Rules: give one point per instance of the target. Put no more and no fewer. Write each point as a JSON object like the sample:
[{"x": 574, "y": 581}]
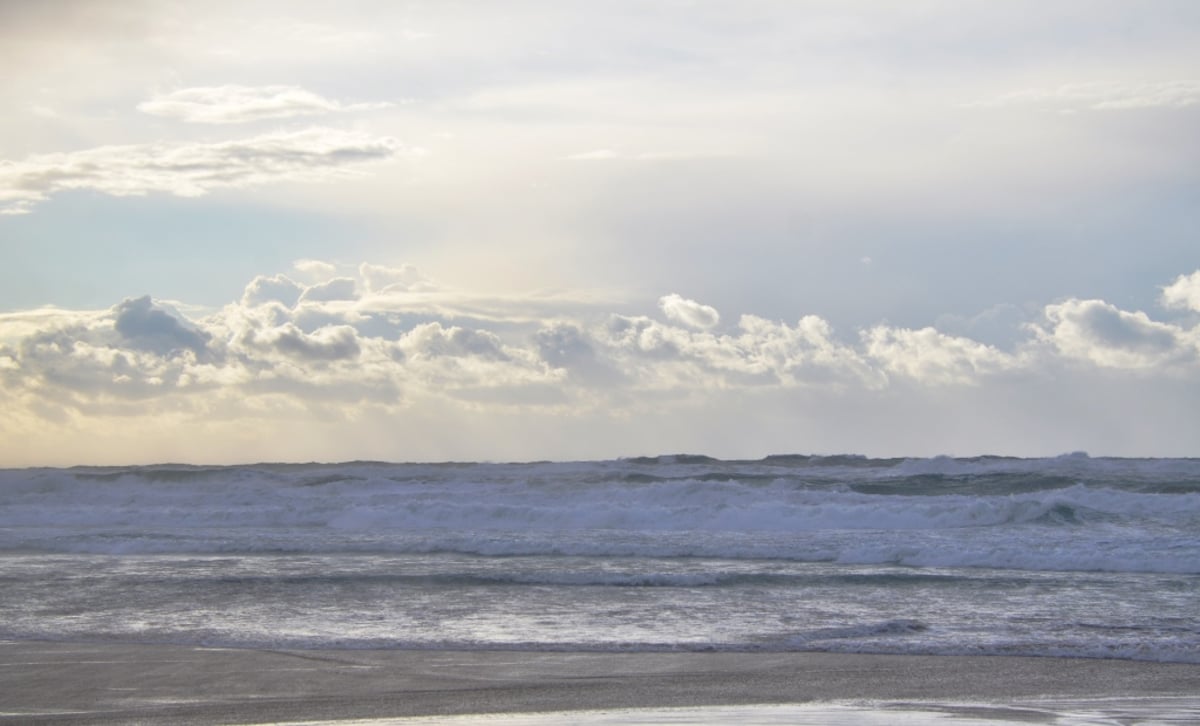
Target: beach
[{"x": 77, "y": 683}]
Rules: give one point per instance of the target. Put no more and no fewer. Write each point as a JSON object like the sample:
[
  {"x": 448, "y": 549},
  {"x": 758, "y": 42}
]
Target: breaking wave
[{"x": 1072, "y": 512}]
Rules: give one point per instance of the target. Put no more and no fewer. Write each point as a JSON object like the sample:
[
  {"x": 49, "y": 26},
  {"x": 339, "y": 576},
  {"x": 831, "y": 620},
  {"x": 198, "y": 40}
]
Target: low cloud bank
[{"x": 382, "y": 342}]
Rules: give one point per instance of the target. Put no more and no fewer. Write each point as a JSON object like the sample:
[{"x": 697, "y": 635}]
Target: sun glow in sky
[{"x": 510, "y": 230}]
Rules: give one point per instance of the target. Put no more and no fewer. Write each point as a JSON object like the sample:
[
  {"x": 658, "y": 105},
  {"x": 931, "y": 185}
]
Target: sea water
[
  {"x": 1093, "y": 712},
  {"x": 1071, "y": 556}
]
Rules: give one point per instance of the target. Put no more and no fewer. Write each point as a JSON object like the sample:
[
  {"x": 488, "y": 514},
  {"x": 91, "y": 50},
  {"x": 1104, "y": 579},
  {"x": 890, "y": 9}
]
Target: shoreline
[{"x": 62, "y": 682}]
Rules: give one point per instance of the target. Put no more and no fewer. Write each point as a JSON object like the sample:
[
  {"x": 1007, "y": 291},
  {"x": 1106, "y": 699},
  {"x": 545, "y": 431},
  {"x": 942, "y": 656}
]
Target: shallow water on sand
[{"x": 1090, "y": 712}]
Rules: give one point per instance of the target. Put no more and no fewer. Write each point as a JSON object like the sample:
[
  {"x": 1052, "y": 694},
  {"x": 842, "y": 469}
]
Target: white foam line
[{"x": 1067, "y": 712}]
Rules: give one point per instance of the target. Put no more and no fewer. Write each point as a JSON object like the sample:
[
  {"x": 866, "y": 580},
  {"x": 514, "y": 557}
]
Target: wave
[
  {"x": 1069, "y": 551},
  {"x": 1072, "y": 512},
  {"x": 358, "y": 500}
]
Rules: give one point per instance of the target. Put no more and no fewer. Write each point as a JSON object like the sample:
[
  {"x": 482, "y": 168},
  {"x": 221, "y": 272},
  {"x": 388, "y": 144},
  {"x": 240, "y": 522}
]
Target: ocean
[{"x": 1065, "y": 556}]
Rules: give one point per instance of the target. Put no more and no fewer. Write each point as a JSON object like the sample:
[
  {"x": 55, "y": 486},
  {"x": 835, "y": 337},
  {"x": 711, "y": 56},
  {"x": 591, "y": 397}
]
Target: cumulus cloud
[
  {"x": 232, "y": 104},
  {"x": 334, "y": 342},
  {"x": 136, "y": 350},
  {"x": 568, "y": 346},
  {"x": 929, "y": 356},
  {"x": 380, "y": 278},
  {"x": 806, "y": 353},
  {"x": 1107, "y": 336},
  {"x": 276, "y": 288},
  {"x": 339, "y": 351},
  {"x": 318, "y": 269},
  {"x": 762, "y": 352},
  {"x": 192, "y": 169},
  {"x": 688, "y": 312},
  {"x": 1184, "y": 293},
  {"x": 339, "y": 288},
  {"x": 147, "y": 326},
  {"x": 432, "y": 340}
]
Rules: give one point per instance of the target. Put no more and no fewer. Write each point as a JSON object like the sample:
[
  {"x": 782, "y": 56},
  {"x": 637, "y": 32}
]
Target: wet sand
[{"x": 73, "y": 683}]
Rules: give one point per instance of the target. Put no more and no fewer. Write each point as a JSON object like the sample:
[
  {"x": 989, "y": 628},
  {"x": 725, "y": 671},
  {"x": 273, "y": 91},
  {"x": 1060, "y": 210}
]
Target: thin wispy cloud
[
  {"x": 192, "y": 169},
  {"x": 1102, "y": 96},
  {"x": 233, "y": 104},
  {"x": 613, "y": 155}
]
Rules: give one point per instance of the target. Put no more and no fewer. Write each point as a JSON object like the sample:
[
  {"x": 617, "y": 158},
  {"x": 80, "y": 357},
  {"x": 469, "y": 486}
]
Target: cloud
[
  {"x": 1184, "y": 293},
  {"x": 276, "y": 288},
  {"x": 803, "y": 354},
  {"x": 137, "y": 350},
  {"x": 595, "y": 155},
  {"x": 19, "y": 326},
  {"x": 381, "y": 279},
  {"x": 335, "y": 342},
  {"x": 1103, "y": 96},
  {"x": 688, "y": 312},
  {"x": 931, "y": 357},
  {"x": 339, "y": 288},
  {"x": 341, "y": 354},
  {"x": 612, "y": 155},
  {"x": 1001, "y": 325},
  {"x": 432, "y": 340},
  {"x": 318, "y": 269},
  {"x": 231, "y": 104},
  {"x": 189, "y": 170},
  {"x": 567, "y": 346},
  {"x": 761, "y": 353},
  {"x": 1107, "y": 336},
  {"x": 145, "y": 325}
]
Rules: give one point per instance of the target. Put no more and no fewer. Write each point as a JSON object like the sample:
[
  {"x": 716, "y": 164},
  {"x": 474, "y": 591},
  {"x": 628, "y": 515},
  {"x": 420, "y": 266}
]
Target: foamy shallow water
[{"x": 1088, "y": 712}]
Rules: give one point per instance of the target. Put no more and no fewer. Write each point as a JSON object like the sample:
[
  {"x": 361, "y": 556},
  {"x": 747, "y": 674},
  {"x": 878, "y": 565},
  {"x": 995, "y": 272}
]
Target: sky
[{"x": 412, "y": 231}]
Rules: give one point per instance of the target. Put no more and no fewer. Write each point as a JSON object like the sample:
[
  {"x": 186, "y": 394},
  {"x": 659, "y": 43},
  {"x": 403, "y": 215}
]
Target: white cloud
[
  {"x": 146, "y": 326},
  {"x": 315, "y": 269},
  {"x": 188, "y": 170},
  {"x": 1103, "y": 96},
  {"x": 1107, "y": 336},
  {"x": 432, "y": 340},
  {"x": 804, "y": 354},
  {"x": 338, "y": 355},
  {"x": 762, "y": 353},
  {"x": 19, "y": 326},
  {"x": 1184, "y": 293},
  {"x": 333, "y": 342},
  {"x": 612, "y": 155},
  {"x": 932, "y": 357},
  {"x": 239, "y": 104},
  {"x": 276, "y": 288},
  {"x": 382, "y": 279},
  {"x": 595, "y": 155},
  {"x": 339, "y": 288},
  {"x": 688, "y": 312}
]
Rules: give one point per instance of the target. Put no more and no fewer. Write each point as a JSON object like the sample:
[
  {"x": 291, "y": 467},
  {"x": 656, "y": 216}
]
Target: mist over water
[{"x": 1063, "y": 556}]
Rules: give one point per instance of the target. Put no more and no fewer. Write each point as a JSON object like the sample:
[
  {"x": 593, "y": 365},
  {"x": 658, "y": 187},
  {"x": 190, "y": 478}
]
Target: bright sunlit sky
[{"x": 246, "y": 231}]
